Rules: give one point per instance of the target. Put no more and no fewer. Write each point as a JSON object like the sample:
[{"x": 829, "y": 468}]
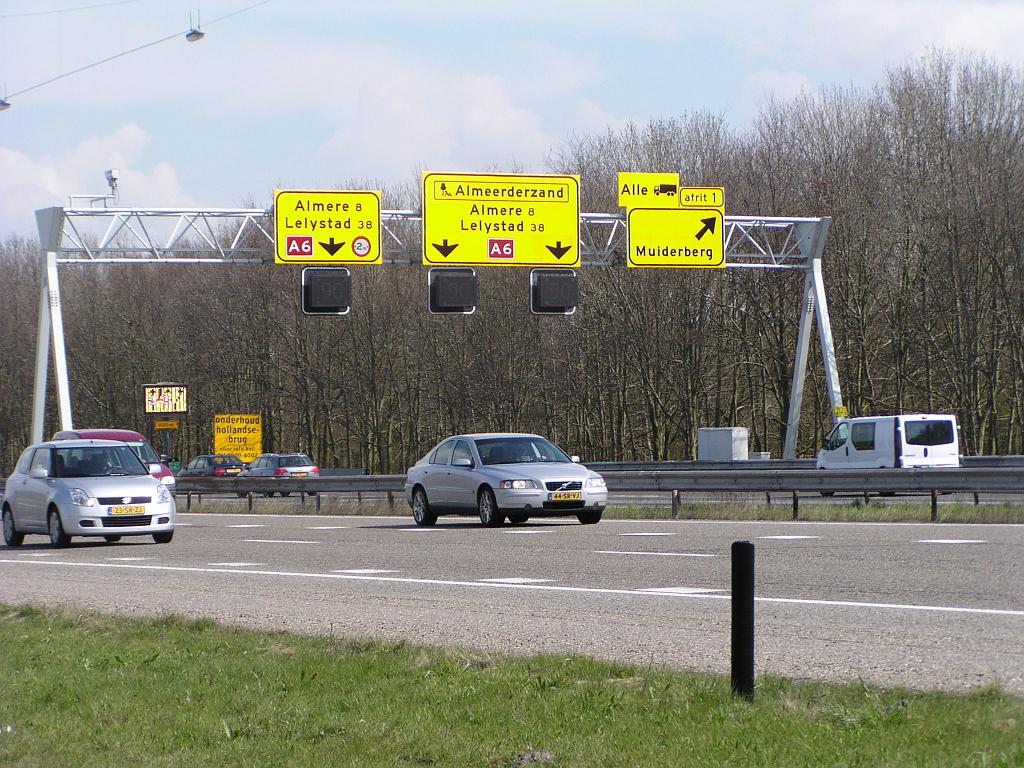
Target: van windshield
[{"x": 937, "y": 432}]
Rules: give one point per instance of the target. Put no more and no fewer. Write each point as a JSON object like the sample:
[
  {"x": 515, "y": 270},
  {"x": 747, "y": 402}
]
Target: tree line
[{"x": 922, "y": 174}]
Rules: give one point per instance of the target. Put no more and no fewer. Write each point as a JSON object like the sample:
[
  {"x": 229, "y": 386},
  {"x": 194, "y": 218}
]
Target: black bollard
[{"x": 743, "y": 619}]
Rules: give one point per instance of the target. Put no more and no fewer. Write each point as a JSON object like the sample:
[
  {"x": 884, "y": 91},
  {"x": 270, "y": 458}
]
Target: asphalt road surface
[{"x": 923, "y": 606}]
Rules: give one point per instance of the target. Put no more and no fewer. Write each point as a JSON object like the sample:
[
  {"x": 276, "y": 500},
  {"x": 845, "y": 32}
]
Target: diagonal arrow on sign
[
  {"x": 709, "y": 226},
  {"x": 558, "y": 250},
  {"x": 332, "y": 247},
  {"x": 444, "y": 249}
]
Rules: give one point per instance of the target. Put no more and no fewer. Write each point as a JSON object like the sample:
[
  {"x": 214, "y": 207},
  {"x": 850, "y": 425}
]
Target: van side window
[
  {"x": 443, "y": 454},
  {"x": 937, "y": 432},
  {"x": 863, "y": 436}
]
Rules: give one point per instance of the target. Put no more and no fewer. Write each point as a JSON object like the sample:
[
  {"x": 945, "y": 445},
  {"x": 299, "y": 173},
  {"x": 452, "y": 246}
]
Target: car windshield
[
  {"x": 144, "y": 452},
  {"x": 98, "y": 461},
  {"x": 296, "y": 461},
  {"x": 518, "y": 450}
]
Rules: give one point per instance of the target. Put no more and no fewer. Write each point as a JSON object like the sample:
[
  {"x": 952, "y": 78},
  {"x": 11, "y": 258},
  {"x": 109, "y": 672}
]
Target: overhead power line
[
  {"x": 64, "y": 10},
  {"x": 5, "y": 102}
]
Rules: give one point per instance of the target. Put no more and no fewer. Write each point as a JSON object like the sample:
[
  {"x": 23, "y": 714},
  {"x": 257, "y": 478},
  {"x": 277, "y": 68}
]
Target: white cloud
[{"x": 29, "y": 183}]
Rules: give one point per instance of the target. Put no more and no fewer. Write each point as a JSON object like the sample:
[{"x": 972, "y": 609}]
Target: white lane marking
[
  {"x": 246, "y": 525},
  {"x": 183, "y": 525},
  {"x": 681, "y": 590},
  {"x": 129, "y": 559},
  {"x": 37, "y": 554},
  {"x": 653, "y": 554},
  {"x": 646, "y": 534},
  {"x": 538, "y": 587},
  {"x": 522, "y": 533},
  {"x": 234, "y": 565},
  {"x": 788, "y": 538},
  {"x": 952, "y": 541},
  {"x": 515, "y": 581},
  {"x": 280, "y": 541},
  {"x": 421, "y": 530},
  {"x": 365, "y": 571},
  {"x": 325, "y": 527}
]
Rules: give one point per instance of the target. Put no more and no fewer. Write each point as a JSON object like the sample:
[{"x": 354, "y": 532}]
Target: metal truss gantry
[{"x": 245, "y": 236}]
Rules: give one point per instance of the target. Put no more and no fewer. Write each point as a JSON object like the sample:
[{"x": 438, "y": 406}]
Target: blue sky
[{"x": 319, "y": 94}]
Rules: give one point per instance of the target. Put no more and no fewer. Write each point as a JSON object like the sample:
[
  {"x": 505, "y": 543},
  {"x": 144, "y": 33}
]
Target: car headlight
[
  {"x": 517, "y": 485},
  {"x": 162, "y": 494},
  {"x": 596, "y": 482},
  {"x": 80, "y": 498}
]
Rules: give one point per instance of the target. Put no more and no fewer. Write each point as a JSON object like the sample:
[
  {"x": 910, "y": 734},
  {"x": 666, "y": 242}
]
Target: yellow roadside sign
[
  {"x": 500, "y": 219},
  {"x": 169, "y": 424},
  {"x": 327, "y": 227},
  {"x": 676, "y": 237},
  {"x": 238, "y": 433},
  {"x": 648, "y": 190}
]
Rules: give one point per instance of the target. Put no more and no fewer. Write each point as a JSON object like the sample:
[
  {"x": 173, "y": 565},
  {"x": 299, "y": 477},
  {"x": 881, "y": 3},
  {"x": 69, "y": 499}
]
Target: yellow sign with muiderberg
[
  {"x": 648, "y": 190},
  {"x": 327, "y": 227},
  {"x": 676, "y": 237},
  {"x": 501, "y": 219},
  {"x": 240, "y": 434}
]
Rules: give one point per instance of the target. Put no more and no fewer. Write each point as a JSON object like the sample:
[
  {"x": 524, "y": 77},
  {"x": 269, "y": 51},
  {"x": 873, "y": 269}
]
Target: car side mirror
[
  {"x": 462, "y": 463},
  {"x": 574, "y": 459},
  {"x": 154, "y": 468},
  {"x": 39, "y": 473}
]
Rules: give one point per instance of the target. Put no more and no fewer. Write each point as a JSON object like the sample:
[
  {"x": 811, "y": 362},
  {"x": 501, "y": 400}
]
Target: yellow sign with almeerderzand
[{"x": 501, "y": 220}]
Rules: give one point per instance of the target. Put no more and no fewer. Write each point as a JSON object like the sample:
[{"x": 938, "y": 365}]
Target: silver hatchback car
[
  {"x": 67, "y": 488},
  {"x": 499, "y": 475}
]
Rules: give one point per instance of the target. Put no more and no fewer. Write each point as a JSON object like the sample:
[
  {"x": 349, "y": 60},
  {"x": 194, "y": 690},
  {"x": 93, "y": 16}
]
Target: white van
[{"x": 873, "y": 442}]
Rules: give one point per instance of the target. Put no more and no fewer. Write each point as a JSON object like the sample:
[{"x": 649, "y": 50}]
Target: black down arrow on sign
[{"x": 332, "y": 247}]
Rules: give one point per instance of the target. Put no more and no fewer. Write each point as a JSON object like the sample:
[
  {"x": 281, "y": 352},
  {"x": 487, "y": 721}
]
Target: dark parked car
[
  {"x": 282, "y": 465},
  {"x": 213, "y": 465}
]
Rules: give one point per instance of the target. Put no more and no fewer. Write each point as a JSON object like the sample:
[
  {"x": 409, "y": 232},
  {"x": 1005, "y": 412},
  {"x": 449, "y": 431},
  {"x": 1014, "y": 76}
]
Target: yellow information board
[
  {"x": 327, "y": 227},
  {"x": 165, "y": 398},
  {"x": 168, "y": 424},
  {"x": 501, "y": 219},
  {"x": 648, "y": 190},
  {"x": 240, "y": 434},
  {"x": 676, "y": 237}
]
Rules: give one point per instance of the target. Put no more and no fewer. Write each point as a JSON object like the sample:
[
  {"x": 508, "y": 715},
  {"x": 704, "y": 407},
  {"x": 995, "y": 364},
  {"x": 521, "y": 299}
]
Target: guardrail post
[
  {"x": 796, "y": 505},
  {"x": 302, "y": 498},
  {"x": 188, "y": 502},
  {"x": 318, "y": 503},
  {"x": 675, "y": 505},
  {"x": 391, "y": 499},
  {"x": 977, "y": 500},
  {"x": 248, "y": 497},
  {"x": 768, "y": 497},
  {"x": 743, "y": 619},
  {"x": 935, "y": 506}
]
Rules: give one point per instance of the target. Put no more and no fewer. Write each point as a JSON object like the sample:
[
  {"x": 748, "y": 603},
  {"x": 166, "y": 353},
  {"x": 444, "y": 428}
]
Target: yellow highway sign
[
  {"x": 676, "y": 237},
  {"x": 327, "y": 227},
  {"x": 648, "y": 190},
  {"x": 240, "y": 434},
  {"x": 702, "y": 197},
  {"x": 501, "y": 219}
]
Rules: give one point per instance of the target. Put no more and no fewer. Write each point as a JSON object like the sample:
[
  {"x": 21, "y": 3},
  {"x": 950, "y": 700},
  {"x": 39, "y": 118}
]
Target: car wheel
[
  {"x": 827, "y": 494},
  {"x": 518, "y": 519},
  {"x": 589, "y": 518},
  {"x": 490, "y": 515},
  {"x": 286, "y": 493},
  {"x": 56, "y": 530},
  {"x": 11, "y": 536},
  {"x": 242, "y": 495},
  {"x": 112, "y": 539},
  {"x": 163, "y": 538},
  {"x": 421, "y": 509},
  {"x": 268, "y": 494}
]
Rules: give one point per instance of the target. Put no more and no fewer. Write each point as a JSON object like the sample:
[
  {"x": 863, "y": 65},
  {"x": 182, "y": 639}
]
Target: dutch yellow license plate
[
  {"x": 127, "y": 510},
  {"x": 299, "y": 474},
  {"x": 567, "y": 496}
]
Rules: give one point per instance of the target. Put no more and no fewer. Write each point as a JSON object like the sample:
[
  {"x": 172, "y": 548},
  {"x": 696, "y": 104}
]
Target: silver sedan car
[
  {"x": 67, "y": 488},
  {"x": 500, "y": 475}
]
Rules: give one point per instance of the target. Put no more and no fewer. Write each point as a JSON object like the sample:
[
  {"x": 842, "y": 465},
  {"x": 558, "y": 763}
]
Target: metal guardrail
[
  {"x": 971, "y": 462},
  {"x": 790, "y": 481}
]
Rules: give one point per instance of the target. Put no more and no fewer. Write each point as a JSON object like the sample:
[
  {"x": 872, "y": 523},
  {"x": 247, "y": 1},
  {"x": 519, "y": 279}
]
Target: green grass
[{"x": 80, "y": 689}]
